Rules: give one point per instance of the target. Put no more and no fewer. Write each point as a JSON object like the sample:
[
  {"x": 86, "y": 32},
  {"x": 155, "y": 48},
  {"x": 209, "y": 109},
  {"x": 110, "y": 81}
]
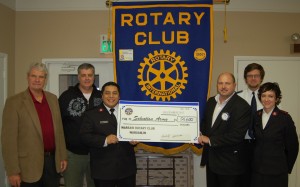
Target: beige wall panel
[
  {"x": 7, "y": 43},
  {"x": 56, "y": 34},
  {"x": 75, "y": 34},
  {"x": 251, "y": 34}
]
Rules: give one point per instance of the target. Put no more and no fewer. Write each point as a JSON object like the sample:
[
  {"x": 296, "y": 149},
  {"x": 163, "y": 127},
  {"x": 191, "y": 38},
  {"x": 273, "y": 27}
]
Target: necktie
[
  {"x": 113, "y": 115},
  {"x": 253, "y": 103},
  {"x": 253, "y": 111}
]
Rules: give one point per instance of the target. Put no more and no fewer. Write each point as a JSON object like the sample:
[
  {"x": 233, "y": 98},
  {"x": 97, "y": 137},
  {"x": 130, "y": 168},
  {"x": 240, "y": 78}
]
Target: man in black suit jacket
[
  {"x": 223, "y": 128},
  {"x": 113, "y": 163}
]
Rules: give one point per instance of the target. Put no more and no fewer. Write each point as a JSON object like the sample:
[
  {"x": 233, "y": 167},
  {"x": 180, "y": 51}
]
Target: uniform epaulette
[{"x": 284, "y": 112}]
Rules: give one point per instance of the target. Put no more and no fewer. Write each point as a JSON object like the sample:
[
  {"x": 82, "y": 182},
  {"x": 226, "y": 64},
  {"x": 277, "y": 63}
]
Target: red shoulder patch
[{"x": 284, "y": 112}]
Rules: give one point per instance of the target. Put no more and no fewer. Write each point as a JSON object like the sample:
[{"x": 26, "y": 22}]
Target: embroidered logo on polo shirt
[
  {"x": 76, "y": 107},
  {"x": 97, "y": 101}
]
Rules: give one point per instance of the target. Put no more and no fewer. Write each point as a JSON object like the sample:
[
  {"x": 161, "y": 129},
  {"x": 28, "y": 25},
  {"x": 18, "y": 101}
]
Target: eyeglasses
[{"x": 253, "y": 76}]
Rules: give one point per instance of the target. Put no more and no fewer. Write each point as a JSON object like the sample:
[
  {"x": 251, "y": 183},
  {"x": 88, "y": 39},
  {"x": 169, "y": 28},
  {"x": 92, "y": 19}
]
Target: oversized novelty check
[{"x": 158, "y": 121}]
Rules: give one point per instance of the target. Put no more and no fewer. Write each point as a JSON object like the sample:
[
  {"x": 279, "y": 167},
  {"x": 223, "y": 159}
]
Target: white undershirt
[
  {"x": 219, "y": 107},
  {"x": 87, "y": 96},
  {"x": 266, "y": 117}
]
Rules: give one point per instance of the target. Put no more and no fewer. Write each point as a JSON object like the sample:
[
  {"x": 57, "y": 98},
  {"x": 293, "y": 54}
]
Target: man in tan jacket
[{"x": 32, "y": 137}]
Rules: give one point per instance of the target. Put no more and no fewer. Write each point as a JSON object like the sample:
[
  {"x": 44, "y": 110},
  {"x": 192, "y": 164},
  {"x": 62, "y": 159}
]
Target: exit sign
[{"x": 106, "y": 45}]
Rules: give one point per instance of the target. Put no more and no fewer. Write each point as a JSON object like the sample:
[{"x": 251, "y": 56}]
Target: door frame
[{"x": 3, "y": 58}]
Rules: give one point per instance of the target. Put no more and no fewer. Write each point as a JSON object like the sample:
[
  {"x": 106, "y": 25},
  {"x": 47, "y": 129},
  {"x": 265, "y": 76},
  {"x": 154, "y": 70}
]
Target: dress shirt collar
[
  {"x": 217, "y": 98},
  {"x": 116, "y": 109},
  {"x": 249, "y": 92},
  {"x": 268, "y": 113}
]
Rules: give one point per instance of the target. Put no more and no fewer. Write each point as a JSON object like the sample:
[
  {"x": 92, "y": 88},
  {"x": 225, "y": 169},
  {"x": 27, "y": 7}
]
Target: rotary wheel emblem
[{"x": 162, "y": 75}]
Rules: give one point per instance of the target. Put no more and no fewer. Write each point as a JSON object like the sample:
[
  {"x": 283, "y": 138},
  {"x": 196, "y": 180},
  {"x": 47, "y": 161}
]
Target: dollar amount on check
[{"x": 158, "y": 121}]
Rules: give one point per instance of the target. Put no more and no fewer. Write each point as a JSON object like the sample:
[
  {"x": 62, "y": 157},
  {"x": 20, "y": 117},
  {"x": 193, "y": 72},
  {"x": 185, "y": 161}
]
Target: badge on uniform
[{"x": 103, "y": 122}]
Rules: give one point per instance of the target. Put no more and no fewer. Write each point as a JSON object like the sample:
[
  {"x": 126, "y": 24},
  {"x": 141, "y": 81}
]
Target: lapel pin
[{"x": 225, "y": 116}]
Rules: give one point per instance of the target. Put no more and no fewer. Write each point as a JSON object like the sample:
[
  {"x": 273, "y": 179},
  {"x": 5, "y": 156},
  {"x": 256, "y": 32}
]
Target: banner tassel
[
  {"x": 109, "y": 4},
  {"x": 225, "y": 25}
]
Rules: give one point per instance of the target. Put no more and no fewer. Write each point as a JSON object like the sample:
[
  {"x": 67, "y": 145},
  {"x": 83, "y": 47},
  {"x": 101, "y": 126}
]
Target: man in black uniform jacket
[{"x": 113, "y": 163}]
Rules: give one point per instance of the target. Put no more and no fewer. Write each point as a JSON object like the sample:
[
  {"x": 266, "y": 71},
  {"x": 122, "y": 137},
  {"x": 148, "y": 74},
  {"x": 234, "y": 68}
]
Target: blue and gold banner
[{"x": 163, "y": 52}]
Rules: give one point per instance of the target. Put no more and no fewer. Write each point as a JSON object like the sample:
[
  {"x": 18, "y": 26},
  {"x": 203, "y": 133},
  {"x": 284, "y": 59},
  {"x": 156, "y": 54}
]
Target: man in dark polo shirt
[
  {"x": 33, "y": 144},
  {"x": 73, "y": 104}
]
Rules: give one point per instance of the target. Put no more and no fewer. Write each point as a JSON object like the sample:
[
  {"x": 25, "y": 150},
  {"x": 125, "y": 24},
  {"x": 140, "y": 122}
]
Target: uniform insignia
[{"x": 285, "y": 112}]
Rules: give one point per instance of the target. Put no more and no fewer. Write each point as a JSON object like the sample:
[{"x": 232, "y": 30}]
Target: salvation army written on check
[{"x": 150, "y": 121}]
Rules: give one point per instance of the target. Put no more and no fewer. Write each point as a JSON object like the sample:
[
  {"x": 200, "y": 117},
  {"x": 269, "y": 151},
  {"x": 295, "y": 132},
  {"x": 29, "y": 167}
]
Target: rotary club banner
[{"x": 163, "y": 52}]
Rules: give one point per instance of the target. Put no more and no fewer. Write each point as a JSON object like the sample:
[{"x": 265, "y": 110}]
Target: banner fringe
[{"x": 171, "y": 151}]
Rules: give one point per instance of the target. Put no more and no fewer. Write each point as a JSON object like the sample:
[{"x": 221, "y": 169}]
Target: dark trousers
[
  {"x": 125, "y": 182},
  {"x": 248, "y": 151},
  {"x": 261, "y": 180},
  {"x": 50, "y": 178},
  {"x": 217, "y": 180}
]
